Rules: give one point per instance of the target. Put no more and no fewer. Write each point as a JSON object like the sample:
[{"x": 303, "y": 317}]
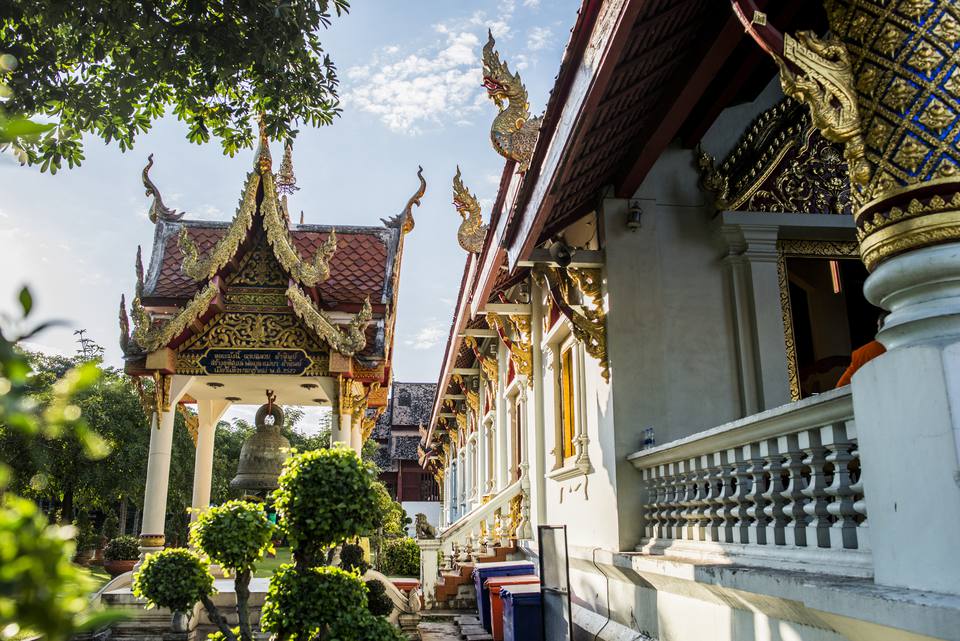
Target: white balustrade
[{"x": 779, "y": 482}]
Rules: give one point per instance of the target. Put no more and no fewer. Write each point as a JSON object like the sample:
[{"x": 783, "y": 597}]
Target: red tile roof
[{"x": 359, "y": 267}]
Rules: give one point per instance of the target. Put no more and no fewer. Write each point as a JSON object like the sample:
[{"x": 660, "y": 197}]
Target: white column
[
  {"x": 537, "y": 445},
  {"x": 356, "y": 435},
  {"x": 158, "y": 470},
  {"x": 341, "y": 432},
  {"x": 208, "y": 415},
  {"x": 461, "y": 482},
  {"x": 907, "y": 408},
  {"x": 503, "y": 424},
  {"x": 429, "y": 570}
]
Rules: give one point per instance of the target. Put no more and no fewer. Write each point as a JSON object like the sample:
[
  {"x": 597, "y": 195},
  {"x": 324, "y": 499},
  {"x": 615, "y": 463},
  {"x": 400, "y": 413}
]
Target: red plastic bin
[{"x": 494, "y": 584}]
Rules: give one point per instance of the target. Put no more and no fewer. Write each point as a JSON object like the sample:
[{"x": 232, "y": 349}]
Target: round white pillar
[{"x": 158, "y": 477}]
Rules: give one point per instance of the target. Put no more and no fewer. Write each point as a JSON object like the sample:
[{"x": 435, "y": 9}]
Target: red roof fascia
[
  {"x": 528, "y": 220},
  {"x": 452, "y": 349}
]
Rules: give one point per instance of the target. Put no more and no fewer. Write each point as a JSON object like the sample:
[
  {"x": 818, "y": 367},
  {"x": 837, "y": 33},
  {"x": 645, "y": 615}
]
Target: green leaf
[{"x": 26, "y": 301}]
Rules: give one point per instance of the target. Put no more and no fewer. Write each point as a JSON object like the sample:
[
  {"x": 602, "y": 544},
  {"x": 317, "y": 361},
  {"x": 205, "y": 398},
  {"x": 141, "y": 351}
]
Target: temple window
[
  {"x": 825, "y": 314},
  {"x": 567, "y": 429}
]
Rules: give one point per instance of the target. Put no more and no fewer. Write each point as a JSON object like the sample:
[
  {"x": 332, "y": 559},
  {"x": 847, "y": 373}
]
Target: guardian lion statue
[{"x": 423, "y": 528}]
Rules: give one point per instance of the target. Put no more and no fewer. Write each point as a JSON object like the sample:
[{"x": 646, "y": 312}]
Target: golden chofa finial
[
  {"x": 404, "y": 220},
  {"x": 264, "y": 163},
  {"x": 513, "y": 133},
  {"x": 472, "y": 231},
  {"x": 158, "y": 211},
  {"x": 285, "y": 179}
]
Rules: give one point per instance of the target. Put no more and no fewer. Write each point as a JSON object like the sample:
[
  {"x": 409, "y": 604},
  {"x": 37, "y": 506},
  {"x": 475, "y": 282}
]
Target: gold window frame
[{"x": 829, "y": 249}]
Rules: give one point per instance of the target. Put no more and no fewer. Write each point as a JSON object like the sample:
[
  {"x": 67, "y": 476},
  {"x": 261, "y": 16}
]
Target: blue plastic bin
[
  {"x": 483, "y": 571},
  {"x": 522, "y": 613}
]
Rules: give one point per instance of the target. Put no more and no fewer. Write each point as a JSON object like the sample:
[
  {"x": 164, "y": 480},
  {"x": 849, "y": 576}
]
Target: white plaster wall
[{"x": 430, "y": 509}]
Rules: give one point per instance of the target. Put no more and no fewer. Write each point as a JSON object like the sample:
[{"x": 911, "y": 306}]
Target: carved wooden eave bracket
[
  {"x": 151, "y": 336},
  {"x": 348, "y": 341},
  {"x": 521, "y": 353},
  {"x": 472, "y": 397},
  {"x": 472, "y": 232},
  {"x": 487, "y": 363},
  {"x": 588, "y": 322},
  {"x": 513, "y": 133}
]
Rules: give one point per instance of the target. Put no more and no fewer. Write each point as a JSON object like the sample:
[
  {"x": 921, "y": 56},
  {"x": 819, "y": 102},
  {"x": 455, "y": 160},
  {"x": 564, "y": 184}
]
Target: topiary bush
[
  {"x": 373, "y": 628},
  {"x": 351, "y": 559},
  {"x": 400, "y": 557},
  {"x": 324, "y": 497},
  {"x": 234, "y": 535},
  {"x": 378, "y": 602},
  {"x": 306, "y": 603},
  {"x": 122, "y": 548},
  {"x": 174, "y": 578}
]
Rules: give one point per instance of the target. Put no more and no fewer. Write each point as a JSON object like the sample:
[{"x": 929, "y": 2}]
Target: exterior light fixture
[
  {"x": 561, "y": 253},
  {"x": 214, "y": 385},
  {"x": 232, "y": 399},
  {"x": 308, "y": 385},
  {"x": 634, "y": 216}
]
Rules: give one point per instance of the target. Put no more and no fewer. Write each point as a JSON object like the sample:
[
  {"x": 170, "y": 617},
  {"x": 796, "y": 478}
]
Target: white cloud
[
  {"x": 428, "y": 336},
  {"x": 410, "y": 92},
  {"x": 532, "y": 4},
  {"x": 539, "y": 38}
]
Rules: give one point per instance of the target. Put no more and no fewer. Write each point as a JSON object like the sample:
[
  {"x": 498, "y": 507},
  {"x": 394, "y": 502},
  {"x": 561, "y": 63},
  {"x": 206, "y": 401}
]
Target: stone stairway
[
  {"x": 455, "y": 589},
  {"x": 452, "y": 625}
]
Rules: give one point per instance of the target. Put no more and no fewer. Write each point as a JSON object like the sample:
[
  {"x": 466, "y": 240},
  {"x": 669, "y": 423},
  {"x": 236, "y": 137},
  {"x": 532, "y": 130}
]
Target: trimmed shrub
[
  {"x": 378, "y": 602},
  {"x": 122, "y": 548},
  {"x": 174, "y": 578},
  {"x": 371, "y": 629},
  {"x": 401, "y": 557},
  {"x": 313, "y": 602},
  {"x": 351, "y": 559},
  {"x": 234, "y": 535},
  {"x": 325, "y": 497}
]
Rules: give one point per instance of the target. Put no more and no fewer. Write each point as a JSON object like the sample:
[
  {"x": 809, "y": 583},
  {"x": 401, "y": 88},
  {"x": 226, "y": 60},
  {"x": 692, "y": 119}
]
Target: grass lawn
[
  {"x": 268, "y": 566},
  {"x": 100, "y": 576}
]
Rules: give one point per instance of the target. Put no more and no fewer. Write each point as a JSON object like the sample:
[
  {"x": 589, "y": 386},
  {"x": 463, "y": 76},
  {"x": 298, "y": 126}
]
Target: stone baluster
[
  {"x": 773, "y": 496},
  {"x": 525, "y": 529},
  {"x": 843, "y": 532},
  {"x": 728, "y": 496},
  {"x": 499, "y": 532},
  {"x": 741, "y": 494},
  {"x": 796, "y": 528},
  {"x": 757, "y": 472},
  {"x": 859, "y": 500},
  {"x": 688, "y": 500},
  {"x": 663, "y": 504},
  {"x": 672, "y": 501},
  {"x": 698, "y": 515},
  {"x": 818, "y": 528},
  {"x": 649, "y": 514},
  {"x": 713, "y": 510},
  {"x": 483, "y": 540},
  {"x": 466, "y": 550}
]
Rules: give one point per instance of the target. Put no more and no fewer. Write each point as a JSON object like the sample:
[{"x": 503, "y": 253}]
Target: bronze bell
[{"x": 263, "y": 453}]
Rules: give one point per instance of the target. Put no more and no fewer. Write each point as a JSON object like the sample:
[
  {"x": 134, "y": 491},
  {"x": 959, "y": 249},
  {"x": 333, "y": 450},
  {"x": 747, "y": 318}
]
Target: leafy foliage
[
  {"x": 304, "y": 602},
  {"x": 174, "y": 578},
  {"x": 351, "y": 559},
  {"x": 375, "y": 629},
  {"x": 378, "y": 602},
  {"x": 401, "y": 557},
  {"x": 112, "y": 67},
  {"x": 40, "y": 589},
  {"x": 324, "y": 497},
  {"x": 235, "y": 535},
  {"x": 122, "y": 548},
  {"x": 41, "y": 592}
]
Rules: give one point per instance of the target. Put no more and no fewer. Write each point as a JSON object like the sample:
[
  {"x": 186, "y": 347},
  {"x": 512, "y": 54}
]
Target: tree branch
[{"x": 217, "y": 618}]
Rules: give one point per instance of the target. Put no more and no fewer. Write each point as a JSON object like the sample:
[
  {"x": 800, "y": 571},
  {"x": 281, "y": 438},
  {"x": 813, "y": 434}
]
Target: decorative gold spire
[
  {"x": 472, "y": 231},
  {"x": 285, "y": 178},
  {"x": 139, "y": 269},
  {"x": 158, "y": 211},
  {"x": 264, "y": 163},
  {"x": 404, "y": 220},
  {"x": 513, "y": 133},
  {"x": 125, "y": 342}
]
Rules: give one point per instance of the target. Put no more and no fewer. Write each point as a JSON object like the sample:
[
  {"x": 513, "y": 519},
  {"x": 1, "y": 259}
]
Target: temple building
[
  {"x": 260, "y": 311},
  {"x": 397, "y": 434},
  {"x": 718, "y": 205}
]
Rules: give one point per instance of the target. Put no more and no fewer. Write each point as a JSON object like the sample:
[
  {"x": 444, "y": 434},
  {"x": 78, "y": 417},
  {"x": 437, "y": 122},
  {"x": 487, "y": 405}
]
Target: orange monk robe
[{"x": 860, "y": 357}]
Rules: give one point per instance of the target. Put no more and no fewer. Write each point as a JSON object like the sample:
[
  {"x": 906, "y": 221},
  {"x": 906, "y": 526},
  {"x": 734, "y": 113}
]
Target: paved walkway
[{"x": 439, "y": 631}]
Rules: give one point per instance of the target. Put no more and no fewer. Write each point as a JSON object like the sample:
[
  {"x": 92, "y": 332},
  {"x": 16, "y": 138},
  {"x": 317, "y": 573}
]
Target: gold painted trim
[
  {"x": 153, "y": 337},
  {"x": 802, "y": 249},
  {"x": 912, "y": 233},
  {"x": 347, "y": 343},
  {"x": 152, "y": 540}
]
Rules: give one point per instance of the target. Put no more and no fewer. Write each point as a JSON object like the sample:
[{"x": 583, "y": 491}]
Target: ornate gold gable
[{"x": 781, "y": 164}]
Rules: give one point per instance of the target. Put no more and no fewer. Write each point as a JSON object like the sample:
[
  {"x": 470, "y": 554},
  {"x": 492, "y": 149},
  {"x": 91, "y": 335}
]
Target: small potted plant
[{"x": 121, "y": 555}]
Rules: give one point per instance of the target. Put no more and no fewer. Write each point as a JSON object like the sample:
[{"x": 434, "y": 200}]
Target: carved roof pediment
[{"x": 780, "y": 164}]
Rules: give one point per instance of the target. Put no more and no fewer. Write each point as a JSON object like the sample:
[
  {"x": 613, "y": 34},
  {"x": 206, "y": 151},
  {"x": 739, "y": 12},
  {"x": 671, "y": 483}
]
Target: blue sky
[{"x": 410, "y": 84}]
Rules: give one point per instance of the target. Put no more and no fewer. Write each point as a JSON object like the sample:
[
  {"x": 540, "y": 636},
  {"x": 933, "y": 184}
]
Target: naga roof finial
[
  {"x": 513, "y": 133},
  {"x": 158, "y": 211},
  {"x": 125, "y": 340},
  {"x": 404, "y": 220},
  {"x": 285, "y": 179},
  {"x": 472, "y": 231},
  {"x": 139, "y": 268}
]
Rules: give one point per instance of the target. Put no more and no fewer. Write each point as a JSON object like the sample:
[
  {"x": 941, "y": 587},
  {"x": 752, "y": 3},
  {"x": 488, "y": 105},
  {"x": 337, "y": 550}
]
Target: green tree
[{"x": 111, "y": 67}]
